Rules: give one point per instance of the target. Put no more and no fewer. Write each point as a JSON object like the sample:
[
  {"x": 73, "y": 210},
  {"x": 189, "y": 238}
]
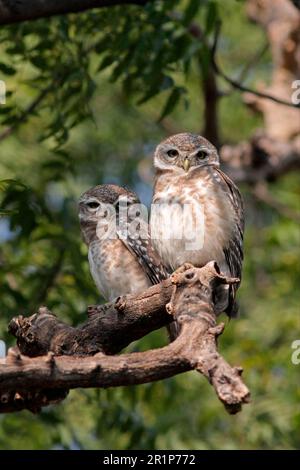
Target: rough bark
[
  {"x": 26, "y": 382},
  {"x": 14, "y": 11},
  {"x": 109, "y": 328}
]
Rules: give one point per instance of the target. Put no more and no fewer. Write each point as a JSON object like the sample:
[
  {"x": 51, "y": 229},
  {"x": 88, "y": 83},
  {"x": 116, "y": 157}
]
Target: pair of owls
[{"x": 196, "y": 216}]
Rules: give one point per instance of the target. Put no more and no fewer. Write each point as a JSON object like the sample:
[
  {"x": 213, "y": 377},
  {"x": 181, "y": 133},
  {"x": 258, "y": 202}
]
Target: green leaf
[
  {"x": 106, "y": 62},
  {"x": 10, "y": 182},
  {"x": 164, "y": 84},
  {"x": 172, "y": 101},
  {"x": 211, "y": 17},
  {"x": 4, "y": 212},
  {"x": 7, "y": 69},
  {"x": 6, "y": 109},
  {"x": 191, "y": 11},
  {"x": 39, "y": 62},
  {"x": 205, "y": 59}
]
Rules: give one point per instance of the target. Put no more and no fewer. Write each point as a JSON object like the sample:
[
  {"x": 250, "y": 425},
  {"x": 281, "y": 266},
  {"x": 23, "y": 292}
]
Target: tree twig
[
  {"x": 253, "y": 62},
  {"x": 186, "y": 297},
  {"x": 33, "y": 106},
  {"x": 26, "y": 113},
  {"x": 236, "y": 84}
]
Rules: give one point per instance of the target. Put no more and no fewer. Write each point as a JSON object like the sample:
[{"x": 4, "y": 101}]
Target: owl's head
[
  {"x": 185, "y": 152},
  {"x": 101, "y": 203}
]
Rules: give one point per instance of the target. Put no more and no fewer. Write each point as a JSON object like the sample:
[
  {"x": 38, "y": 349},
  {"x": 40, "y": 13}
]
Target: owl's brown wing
[
  {"x": 234, "y": 251},
  {"x": 151, "y": 263},
  {"x": 141, "y": 247}
]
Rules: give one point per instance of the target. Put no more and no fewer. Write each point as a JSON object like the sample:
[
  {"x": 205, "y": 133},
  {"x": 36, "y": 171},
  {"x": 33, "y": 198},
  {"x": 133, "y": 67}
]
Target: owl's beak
[{"x": 186, "y": 164}]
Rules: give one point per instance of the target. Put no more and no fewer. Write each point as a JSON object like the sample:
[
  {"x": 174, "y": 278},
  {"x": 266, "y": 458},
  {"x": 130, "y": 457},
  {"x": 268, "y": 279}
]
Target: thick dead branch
[
  {"x": 14, "y": 11},
  {"x": 30, "y": 400},
  {"x": 109, "y": 329},
  {"x": 187, "y": 296}
]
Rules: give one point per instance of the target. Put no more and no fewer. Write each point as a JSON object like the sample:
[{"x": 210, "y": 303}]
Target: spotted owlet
[
  {"x": 120, "y": 253},
  {"x": 197, "y": 212}
]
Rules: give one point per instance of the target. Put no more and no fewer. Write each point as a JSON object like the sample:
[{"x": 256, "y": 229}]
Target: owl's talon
[
  {"x": 184, "y": 267},
  {"x": 120, "y": 304},
  {"x": 217, "y": 330},
  {"x": 169, "y": 308}
]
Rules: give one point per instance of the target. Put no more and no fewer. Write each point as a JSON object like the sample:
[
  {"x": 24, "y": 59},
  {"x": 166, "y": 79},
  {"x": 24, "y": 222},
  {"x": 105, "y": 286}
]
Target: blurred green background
[{"x": 110, "y": 75}]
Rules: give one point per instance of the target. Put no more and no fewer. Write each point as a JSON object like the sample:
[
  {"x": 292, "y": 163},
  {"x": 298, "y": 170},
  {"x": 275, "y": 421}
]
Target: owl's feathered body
[
  {"x": 115, "y": 270},
  {"x": 199, "y": 188},
  {"x": 191, "y": 180},
  {"x": 120, "y": 262}
]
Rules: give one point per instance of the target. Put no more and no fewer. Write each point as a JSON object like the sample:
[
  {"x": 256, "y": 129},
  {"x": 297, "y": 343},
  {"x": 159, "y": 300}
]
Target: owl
[
  {"x": 197, "y": 212},
  {"x": 121, "y": 257}
]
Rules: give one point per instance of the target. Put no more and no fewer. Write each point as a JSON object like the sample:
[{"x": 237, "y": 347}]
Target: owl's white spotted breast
[
  {"x": 115, "y": 270},
  {"x": 208, "y": 206}
]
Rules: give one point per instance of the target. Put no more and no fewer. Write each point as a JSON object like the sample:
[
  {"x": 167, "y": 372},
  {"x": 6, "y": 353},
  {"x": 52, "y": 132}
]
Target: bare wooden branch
[
  {"x": 196, "y": 32},
  {"x": 15, "y": 11},
  {"x": 109, "y": 328},
  {"x": 251, "y": 91},
  {"x": 187, "y": 297},
  {"x": 30, "y": 400}
]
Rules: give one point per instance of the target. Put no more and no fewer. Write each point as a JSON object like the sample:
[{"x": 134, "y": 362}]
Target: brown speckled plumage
[
  {"x": 119, "y": 264},
  {"x": 187, "y": 173}
]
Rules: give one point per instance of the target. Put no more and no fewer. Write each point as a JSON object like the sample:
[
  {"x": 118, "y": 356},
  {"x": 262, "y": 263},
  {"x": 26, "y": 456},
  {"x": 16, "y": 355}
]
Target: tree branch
[
  {"x": 15, "y": 11},
  {"x": 109, "y": 328},
  {"x": 26, "y": 113},
  {"x": 34, "y": 105},
  {"x": 236, "y": 84},
  {"x": 187, "y": 296}
]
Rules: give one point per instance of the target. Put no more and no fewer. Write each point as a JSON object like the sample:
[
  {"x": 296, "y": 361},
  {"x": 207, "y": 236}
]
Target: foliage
[{"x": 124, "y": 69}]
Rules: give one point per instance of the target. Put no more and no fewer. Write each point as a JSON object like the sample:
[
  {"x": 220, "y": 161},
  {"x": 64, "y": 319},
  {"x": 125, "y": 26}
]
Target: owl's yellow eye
[
  {"x": 173, "y": 153},
  {"x": 93, "y": 205},
  {"x": 202, "y": 154}
]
